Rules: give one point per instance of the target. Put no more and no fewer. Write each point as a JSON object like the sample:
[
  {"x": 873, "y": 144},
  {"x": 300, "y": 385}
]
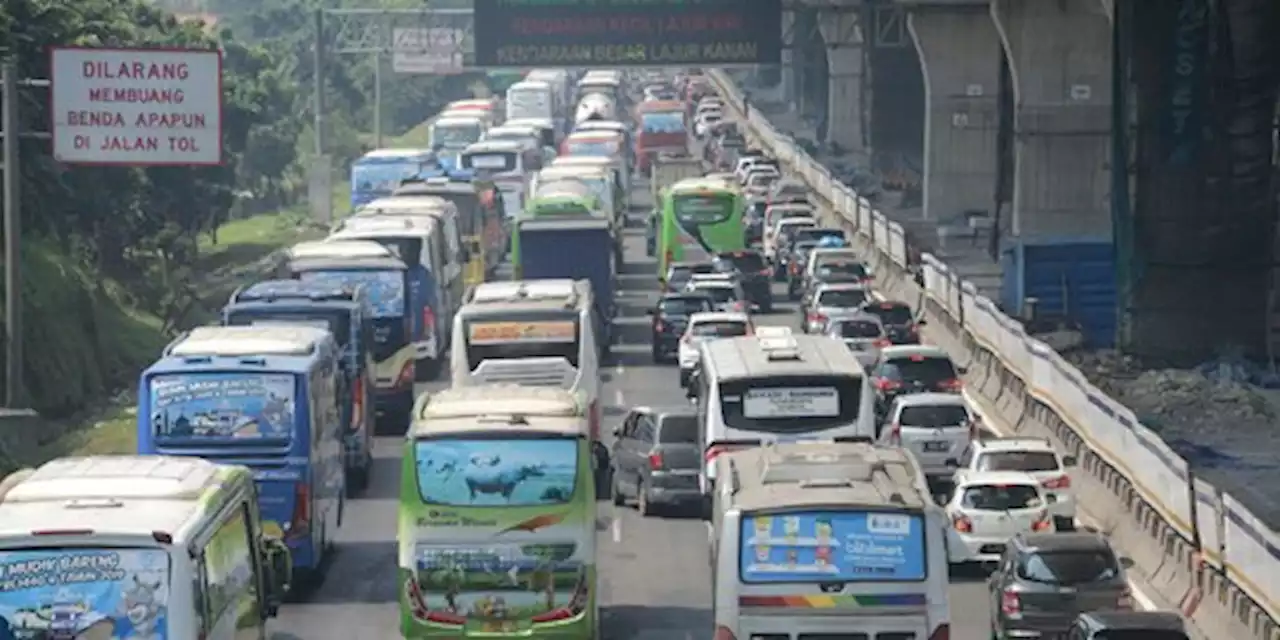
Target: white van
[
  {"x": 539, "y": 333},
  {"x": 848, "y": 524},
  {"x": 531, "y": 99},
  {"x": 754, "y": 390},
  {"x": 137, "y": 546}
]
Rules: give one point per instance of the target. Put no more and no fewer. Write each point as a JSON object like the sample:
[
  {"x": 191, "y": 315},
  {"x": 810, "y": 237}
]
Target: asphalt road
[{"x": 655, "y": 580}]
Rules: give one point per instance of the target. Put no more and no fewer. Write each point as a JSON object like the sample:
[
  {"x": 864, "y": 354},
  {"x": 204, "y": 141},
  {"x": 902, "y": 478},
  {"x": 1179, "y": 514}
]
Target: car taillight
[
  {"x": 428, "y": 322},
  {"x": 444, "y": 617},
  {"x": 943, "y": 632},
  {"x": 1125, "y": 601},
  {"x": 659, "y": 326},
  {"x": 962, "y": 524},
  {"x": 954, "y": 384},
  {"x": 887, "y": 385},
  {"x": 1010, "y": 604},
  {"x": 1042, "y": 523},
  {"x": 817, "y": 317},
  {"x": 895, "y": 435},
  {"x": 406, "y": 374},
  {"x": 1061, "y": 482},
  {"x": 716, "y": 450},
  {"x": 357, "y": 403},
  {"x": 723, "y": 633},
  {"x": 300, "y": 523},
  {"x": 881, "y": 343},
  {"x": 655, "y": 461}
]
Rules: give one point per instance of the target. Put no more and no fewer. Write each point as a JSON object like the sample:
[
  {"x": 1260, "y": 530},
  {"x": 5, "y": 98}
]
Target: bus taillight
[
  {"x": 943, "y": 632},
  {"x": 300, "y": 524},
  {"x": 593, "y": 420},
  {"x": 357, "y": 404}
]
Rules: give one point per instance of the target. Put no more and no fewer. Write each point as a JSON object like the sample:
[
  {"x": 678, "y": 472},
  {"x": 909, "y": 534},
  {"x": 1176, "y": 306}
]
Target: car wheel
[
  {"x": 643, "y": 506},
  {"x": 656, "y": 354},
  {"x": 618, "y": 499}
]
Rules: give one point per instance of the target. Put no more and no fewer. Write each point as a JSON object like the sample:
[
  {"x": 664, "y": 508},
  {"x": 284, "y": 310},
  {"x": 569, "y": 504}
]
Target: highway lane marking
[
  {"x": 980, "y": 407},
  {"x": 616, "y": 527}
]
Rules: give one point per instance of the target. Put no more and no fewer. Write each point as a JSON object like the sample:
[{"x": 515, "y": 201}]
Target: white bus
[
  {"x": 138, "y": 547},
  {"x": 827, "y": 540},
  {"x": 753, "y": 390}
]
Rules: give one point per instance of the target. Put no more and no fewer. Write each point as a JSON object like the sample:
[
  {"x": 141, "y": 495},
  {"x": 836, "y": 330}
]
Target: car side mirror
[
  {"x": 1069, "y": 461},
  {"x": 617, "y": 432},
  {"x": 690, "y": 391},
  {"x": 952, "y": 462},
  {"x": 922, "y": 322},
  {"x": 278, "y": 562}
]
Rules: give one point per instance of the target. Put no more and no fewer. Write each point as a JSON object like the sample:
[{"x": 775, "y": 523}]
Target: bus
[
  {"x": 700, "y": 217},
  {"x": 482, "y": 210},
  {"x": 345, "y": 312},
  {"x": 816, "y": 539},
  {"x": 265, "y": 398},
  {"x": 497, "y": 517},
  {"x": 452, "y": 132},
  {"x": 378, "y": 173},
  {"x": 137, "y": 547}
]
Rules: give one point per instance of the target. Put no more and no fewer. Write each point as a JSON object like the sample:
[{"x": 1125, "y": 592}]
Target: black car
[
  {"x": 753, "y": 223},
  {"x": 793, "y": 260},
  {"x": 656, "y": 459},
  {"x": 900, "y": 323},
  {"x": 1129, "y": 625},
  {"x": 907, "y": 369},
  {"x": 679, "y": 274},
  {"x": 670, "y": 317},
  {"x": 753, "y": 274}
]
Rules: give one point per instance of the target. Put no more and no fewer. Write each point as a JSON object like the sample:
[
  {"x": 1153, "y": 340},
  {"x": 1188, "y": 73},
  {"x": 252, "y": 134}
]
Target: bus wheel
[{"x": 426, "y": 370}]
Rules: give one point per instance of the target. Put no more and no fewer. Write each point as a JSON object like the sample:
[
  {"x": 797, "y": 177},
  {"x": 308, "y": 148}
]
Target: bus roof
[
  {"x": 384, "y": 225},
  {"x": 339, "y": 249},
  {"x": 270, "y": 291},
  {"x": 458, "y": 117},
  {"x": 115, "y": 495},
  {"x": 817, "y": 474},
  {"x": 502, "y": 145},
  {"x": 567, "y": 172},
  {"x": 561, "y": 290},
  {"x": 703, "y": 186},
  {"x": 275, "y": 340},
  {"x": 519, "y": 409},
  {"x": 752, "y": 357},
  {"x": 396, "y": 154},
  {"x": 404, "y": 204},
  {"x": 529, "y": 84},
  {"x": 537, "y": 123},
  {"x": 656, "y": 106},
  {"x": 434, "y": 185}
]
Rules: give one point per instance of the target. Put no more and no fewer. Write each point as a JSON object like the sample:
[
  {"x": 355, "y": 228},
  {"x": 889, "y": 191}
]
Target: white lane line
[
  {"x": 1140, "y": 598},
  {"x": 617, "y": 398},
  {"x": 616, "y": 528}
]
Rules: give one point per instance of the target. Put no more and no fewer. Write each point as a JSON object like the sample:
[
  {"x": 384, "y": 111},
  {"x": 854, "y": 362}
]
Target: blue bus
[
  {"x": 377, "y": 174},
  {"x": 265, "y": 398},
  {"x": 398, "y": 296},
  {"x": 343, "y": 311}
]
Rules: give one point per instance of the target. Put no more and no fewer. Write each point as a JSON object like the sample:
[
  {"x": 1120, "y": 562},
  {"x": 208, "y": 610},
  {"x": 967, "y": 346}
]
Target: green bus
[
  {"x": 699, "y": 218},
  {"x": 497, "y": 517}
]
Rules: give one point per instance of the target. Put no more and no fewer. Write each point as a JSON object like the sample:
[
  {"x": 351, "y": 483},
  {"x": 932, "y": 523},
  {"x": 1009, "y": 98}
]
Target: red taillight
[
  {"x": 886, "y": 385},
  {"x": 881, "y": 343},
  {"x": 428, "y": 322},
  {"x": 406, "y": 374},
  {"x": 655, "y": 461},
  {"x": 715, "y": 450},
  {"x": 357, "y": 403},
  {"x": 1042, "y": 523},
  {"x": 895, "y": 435},
  {"x": 954, "y": 384},
  {"x": 1010, "y": 604},
  {"x": 1061, "y": 482},
  {"x": 723, "y": 633},
  {"x": 962, "y": 524},
  {"x": 593, "y": 418},
  {"x": 817, "y": 317},
  {"x": 300, "y": 524},
  {"x": 943, "y": 632},
  {"x": 62, "y": 532},
  {"x": 444, "y": 617},
  {"x": 765, "y": 271},
  {"x": 553, "y": 615}
]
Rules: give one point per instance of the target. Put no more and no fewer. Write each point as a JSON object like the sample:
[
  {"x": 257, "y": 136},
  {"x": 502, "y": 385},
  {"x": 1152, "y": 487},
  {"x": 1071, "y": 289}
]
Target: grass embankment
[{"x": 224, "y": 266}]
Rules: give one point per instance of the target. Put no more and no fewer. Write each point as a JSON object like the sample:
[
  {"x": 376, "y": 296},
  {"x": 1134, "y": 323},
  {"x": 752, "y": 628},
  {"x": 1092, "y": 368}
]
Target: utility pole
[
  {"x": 11, "y": 129},
  {"x": 377, "y": 100}
]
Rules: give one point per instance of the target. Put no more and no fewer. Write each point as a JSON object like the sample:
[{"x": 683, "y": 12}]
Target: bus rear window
[
  {"x": 499, "y": 471},
  {"x": 504, "y": 338},
  {"x": 222, "y": 406},
  {"x": 492, "y": 161},
  {"x": 385, "y": 289},
  {"x": 832, "y": 547},
  {"x": 791, "y": 404},
  {"x": 85, "y": 592},
  {"x": 710, "y": 209},
  {"x": 719, "y": 329}
]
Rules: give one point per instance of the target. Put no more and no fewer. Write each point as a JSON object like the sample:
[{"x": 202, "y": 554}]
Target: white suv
[
  {"x": 1034, "y": 456},
  {"x": 708, "y": 325}
]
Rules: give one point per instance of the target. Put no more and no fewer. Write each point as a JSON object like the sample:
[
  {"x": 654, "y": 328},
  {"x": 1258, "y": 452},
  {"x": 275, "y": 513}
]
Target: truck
[{"x": 543, "y": 256}]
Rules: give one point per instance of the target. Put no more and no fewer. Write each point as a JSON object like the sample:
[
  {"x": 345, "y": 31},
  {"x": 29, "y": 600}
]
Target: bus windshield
[
  {"x": 455, "y": 136},
  {"x": 712, "y": 209},
  {"x": 528, "y": 103},
  {"x": 222, "y": 405},
  {"x": 501, "y": 471},
  {"x": 662, "y": 122},
  {"x": 503, "y": 338},
  {"x": 376, "y": 180},
  {"x": 84, "y": 592},
  {"x": 385, "y": 289},
  {"x": 832, "y": 547}
]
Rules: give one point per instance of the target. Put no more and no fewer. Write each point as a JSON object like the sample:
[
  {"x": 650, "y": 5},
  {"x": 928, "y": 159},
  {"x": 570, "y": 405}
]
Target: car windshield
[
  {"x": 684, "y": 306},
  {"x": 719, "y": 329},
  {"x": 925, "y": 370},
  {"x": 1000, "y": 497},
  {"x": 1026, "y": 461},
  {"x": 719, "y": 295},
  {"x": 1069, "y": 567},
  {"x": 678, "y": 430},
  {"x": 844, "y": 268},
  {"x": 684, "y": 273},
  {"x": 845, "y": 298},
  {"x": 744, "y": 261},
  {"x": 892, "y": 313},
  {"x": 854, "y": 329},
  {"x": 934, "y": 416}
]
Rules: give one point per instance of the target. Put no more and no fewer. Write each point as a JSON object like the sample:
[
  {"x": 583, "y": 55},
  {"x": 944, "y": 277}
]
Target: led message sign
[{"x": 611, "y": 33}]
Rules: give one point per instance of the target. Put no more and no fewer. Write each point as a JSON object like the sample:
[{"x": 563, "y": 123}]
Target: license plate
[
  {"x": 499, "y": 626},
  {"x": 937, "y": 446}
]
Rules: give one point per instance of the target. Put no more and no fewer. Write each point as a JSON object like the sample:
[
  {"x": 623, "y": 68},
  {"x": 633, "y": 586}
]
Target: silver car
[
  {"x": 863, "y": 333},
  {"x": 830, "y": 300},
  {"x": 936, "y": 427}
]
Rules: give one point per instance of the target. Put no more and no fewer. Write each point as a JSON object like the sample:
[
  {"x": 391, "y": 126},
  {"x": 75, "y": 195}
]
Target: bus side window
[
  {"x": 451, "y": 236},
  {"x": 227, "y": 557},
  {"x": 441, "y": 251},
  {"x": 200, "y": 597}
]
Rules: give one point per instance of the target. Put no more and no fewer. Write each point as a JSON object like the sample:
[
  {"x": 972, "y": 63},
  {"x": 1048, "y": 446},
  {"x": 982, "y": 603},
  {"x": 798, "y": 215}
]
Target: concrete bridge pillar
[
  {"x": 843, "y": 37},
  {"x": 1059, "y": 60},
  {"x": 960, "y": 59},
  {"x": 788, "y": 71}
]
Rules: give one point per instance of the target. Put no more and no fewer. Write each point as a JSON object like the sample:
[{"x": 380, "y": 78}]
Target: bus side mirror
[{"x": 278, "y": 563}]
